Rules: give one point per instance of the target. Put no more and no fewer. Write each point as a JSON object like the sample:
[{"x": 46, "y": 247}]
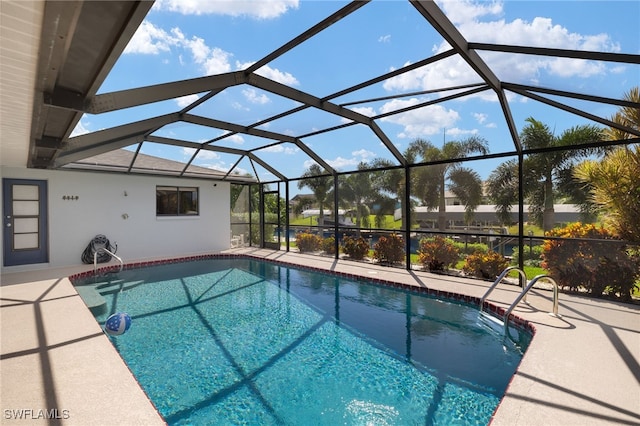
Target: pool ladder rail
[
  {"x": 523, "y": 295},
  {"x": 95, "y": 260}
]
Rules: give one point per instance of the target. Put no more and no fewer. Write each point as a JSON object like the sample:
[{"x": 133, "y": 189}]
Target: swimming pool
[{"x": 242, "y": 341}]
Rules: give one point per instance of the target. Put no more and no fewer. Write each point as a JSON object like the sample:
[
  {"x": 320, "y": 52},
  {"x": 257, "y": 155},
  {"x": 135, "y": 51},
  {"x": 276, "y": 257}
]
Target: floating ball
[{"x": 117, "y": 324}]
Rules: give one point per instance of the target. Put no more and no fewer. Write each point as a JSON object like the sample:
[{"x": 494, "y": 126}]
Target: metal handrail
[
  {"x": 95, "y": 259},
  {"x": 500, "y": 278},
  {"x": 524, "y": 292}
]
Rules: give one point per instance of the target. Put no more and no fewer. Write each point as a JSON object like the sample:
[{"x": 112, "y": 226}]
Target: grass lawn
[{"x": 387, "y": 223}]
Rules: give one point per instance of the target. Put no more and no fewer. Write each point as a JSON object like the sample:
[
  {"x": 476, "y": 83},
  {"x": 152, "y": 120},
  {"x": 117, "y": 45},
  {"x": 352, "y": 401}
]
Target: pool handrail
[
  {"x": 500, "y": 278},
  {"x": 95, "y": 259},
  {"x": 524, "y": 293}
]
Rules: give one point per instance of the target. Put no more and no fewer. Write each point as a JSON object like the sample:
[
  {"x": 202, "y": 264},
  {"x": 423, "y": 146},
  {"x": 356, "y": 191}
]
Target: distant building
[
  {"x": 303, "y": 201},
  {"x": 485, "y": 215}
]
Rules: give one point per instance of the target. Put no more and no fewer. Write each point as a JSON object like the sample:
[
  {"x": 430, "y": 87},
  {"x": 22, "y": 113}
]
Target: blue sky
[{"x": 182, "y": 39}]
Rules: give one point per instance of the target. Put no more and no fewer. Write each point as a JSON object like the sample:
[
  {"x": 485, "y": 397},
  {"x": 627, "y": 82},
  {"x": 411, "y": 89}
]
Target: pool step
[
  {"x": 116, "y": 285},
  {"x": 94, "y": 300}
]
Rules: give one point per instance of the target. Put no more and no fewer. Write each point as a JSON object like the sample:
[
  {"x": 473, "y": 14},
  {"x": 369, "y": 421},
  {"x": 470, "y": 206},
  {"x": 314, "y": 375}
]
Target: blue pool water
[{"x": 239, "y": 341}]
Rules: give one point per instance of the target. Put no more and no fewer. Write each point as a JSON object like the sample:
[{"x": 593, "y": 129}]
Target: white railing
[{"x": 95, "y": 259}]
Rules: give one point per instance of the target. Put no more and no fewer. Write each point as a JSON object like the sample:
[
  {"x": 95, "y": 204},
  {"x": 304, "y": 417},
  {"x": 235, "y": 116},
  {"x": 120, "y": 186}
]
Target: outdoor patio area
[{"x": 580, "y": 369}]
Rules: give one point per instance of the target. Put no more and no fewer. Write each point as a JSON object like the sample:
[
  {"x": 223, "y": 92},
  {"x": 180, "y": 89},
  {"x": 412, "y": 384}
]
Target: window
[{"x": 176, "y": 201}]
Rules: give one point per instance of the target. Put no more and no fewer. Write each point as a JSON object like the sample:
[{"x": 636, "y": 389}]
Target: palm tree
[
  {"x": 502, "y": 188},
  {"x": 320, "y": 184},
  {"x": 540, "y": 169},
  {"x": 392, "y": 181},
  {"x": 627, "y": 116},
  {"x": 356, "y": 190},
  {"x": 390, "y": 189},
  {"x": 614, "y": 187},
  {"x": 430, "y": 182},
  {"x": 613, "y": 182}
]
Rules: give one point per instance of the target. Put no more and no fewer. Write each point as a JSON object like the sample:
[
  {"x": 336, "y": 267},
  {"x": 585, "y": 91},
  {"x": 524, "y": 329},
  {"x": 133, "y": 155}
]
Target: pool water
[{"x": 239, "y": 341}]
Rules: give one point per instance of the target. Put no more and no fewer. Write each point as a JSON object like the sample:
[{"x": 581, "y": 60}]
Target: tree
[
  {"x": 391, "y": 187},
  {"x": 613, "y": 182},
  {"x": 614, "y": 186},
  {"x": 356, "y": 191},
  {"x": 627, "y": 116},
  {"x": 320, "y": 184},
  {"x": 389, "y": 184},
  {"x": 430, "y": 182},
  {"x": 502, "y": 188},
  {"x": 540, "y": 169}
]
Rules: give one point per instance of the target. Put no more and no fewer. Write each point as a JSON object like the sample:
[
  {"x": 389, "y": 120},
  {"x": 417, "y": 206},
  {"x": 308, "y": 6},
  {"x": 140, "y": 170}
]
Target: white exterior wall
[{"x": 102, "y": 204}]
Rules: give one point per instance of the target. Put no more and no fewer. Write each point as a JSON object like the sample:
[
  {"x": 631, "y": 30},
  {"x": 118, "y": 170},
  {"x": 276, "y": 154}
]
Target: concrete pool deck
[{"x": 580, "y": 369}]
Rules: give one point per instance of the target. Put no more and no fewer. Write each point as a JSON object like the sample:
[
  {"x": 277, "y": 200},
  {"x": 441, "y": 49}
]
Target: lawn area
[
  {"x": 535, "y": 230},
  {"x": 387, "y": 222}
]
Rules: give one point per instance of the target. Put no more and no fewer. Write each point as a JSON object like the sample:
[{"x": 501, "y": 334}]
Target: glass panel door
[{"x": 25, "y": 221}]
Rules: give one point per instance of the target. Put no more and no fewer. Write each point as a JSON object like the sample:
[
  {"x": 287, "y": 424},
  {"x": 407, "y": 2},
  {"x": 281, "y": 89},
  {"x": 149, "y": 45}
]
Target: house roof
[
  {"x": 122, "y": 160},
  {"x": 303, "y": 197},
  {"x": 55, "y": 56}
]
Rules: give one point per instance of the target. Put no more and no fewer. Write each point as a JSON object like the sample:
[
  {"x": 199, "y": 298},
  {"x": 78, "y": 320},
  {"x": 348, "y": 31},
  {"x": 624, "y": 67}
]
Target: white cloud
[
  {"x": 271, "y": 73},
  {"x": 308, "y": 163},
  {"x": 458, "y": 132},
  {"x": 217, "y": 62},
  {"x": 425, "y": 121},
  {"x": 185, "y": 101},
  {"x": 235, "y": 138},
  {"x": 484, "y": 22},
  {"x": 340, "y": 162},
  {"x": 239, "y": 106},
  {"x": 208, "y": 155},
  {"x": 263, "y": 9},
  {"x": 220, "y": 166},
  {"x": 480, "y": 117},
  {"x": 196, "y": 45},
  {"x": 385, "y": 38},
  {"x": 241, "y": 171},
  {"x": 345, "y": 163},
  {"x": 150, "y": 40},
  {"x": 287, "y": 150},
  {"x": 81, "y": 128},
  {"x": 368, "y": 111},
  {"x": 565, "y": 67},
  {"x": 254, "y": 97},
  {"x": 202, "y": 155},
  {"x": 363, "y": 154}
]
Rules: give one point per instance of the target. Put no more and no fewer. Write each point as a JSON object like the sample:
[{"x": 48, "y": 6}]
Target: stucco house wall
[{"x": 128, "y": 220}]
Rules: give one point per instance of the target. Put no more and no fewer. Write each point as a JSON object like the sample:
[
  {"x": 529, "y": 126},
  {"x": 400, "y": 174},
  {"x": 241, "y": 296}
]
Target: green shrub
[
  {"x": 389, "y": 249},
  {"x": 485, "y": 265},
  {"x": 531, "y": 256},
  {"x": 599, "y": 267},
  {"x": 437, "y": 253},
  {"x": 355, "y": 248},
  {"x": 329, "y": 245},
  {"x": 307, "y": 242},
  {"x": 469, "y": 248}
]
